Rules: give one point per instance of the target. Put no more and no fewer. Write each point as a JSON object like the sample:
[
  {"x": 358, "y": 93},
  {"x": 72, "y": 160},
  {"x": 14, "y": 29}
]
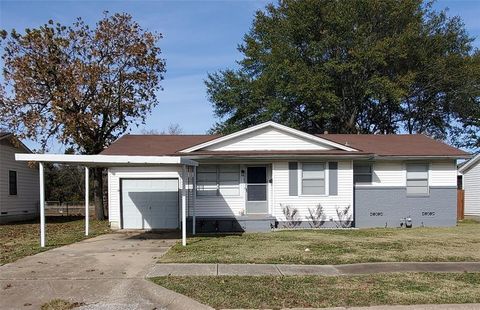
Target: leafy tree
[
  {"x": 359, "y": 66},
  {"x": 79, "y": 85}
]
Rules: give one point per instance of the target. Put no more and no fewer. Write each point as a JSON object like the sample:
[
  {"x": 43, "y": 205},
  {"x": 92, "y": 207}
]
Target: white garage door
[{"x": 150, "y": 203}]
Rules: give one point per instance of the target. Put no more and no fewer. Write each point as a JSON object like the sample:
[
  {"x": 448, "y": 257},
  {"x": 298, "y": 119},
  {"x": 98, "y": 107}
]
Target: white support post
[
  {"x": 42, "y": 206},
  {"x": 86, "y": 200},
  {"x": 184, "y": 208},
  {"x": 194, "y": 198}
]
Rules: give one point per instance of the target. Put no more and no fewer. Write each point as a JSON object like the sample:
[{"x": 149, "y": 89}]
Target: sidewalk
[{"x": 303, "y": 270}]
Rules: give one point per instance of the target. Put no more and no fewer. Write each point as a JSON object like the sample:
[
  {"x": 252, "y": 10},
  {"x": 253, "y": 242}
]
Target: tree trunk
[{"x": 98, "y": 193}]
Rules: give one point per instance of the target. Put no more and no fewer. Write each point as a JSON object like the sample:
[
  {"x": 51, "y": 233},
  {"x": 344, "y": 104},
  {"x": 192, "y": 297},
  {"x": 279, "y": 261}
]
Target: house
[
  {"x": 470, "y": 171},
  {"x": 272, "y": 176},
  {"x": 19, "y": 191}
]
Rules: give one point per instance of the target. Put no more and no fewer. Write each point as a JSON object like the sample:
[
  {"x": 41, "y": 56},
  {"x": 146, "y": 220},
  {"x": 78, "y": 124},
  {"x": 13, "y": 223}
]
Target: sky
[{"x": 200, "y": 37}]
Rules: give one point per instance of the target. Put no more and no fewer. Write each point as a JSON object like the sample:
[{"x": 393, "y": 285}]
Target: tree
[
  {"x": 79, "y": 85},
  {"x": 360, "y": 66},
  {"x": 173, "y": 129}
]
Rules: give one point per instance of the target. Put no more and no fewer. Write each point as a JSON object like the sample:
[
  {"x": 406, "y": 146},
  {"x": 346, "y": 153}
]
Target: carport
[{"x": 106, "y": 161}]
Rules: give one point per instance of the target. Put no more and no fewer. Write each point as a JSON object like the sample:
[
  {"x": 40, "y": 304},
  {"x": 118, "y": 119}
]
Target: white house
[
  {"x": 254, "y": 179},
  {"x": 272, "y": 176},
  {"x": 471, "y": 184},
  {"x": 19, "y": 191}
]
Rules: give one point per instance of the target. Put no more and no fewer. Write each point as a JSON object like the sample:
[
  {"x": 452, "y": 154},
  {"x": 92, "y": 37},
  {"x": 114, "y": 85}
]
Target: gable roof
[
  {"x": 13, "y": 141},
  {"x": 469, "y": 164},
  {"x": 397, "y": 145},
  {"x": 374, "y": 145},
  {"x": 4, "y": 134},
  {"x": 274, "y": 125}
]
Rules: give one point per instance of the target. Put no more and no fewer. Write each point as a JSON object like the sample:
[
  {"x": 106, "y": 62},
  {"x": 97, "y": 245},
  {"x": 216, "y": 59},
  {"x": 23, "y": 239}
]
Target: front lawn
[
  {"x": 316, "y": 291},
  {"x": 461, "y": 243},
  {"x": 22, "y": 239}
]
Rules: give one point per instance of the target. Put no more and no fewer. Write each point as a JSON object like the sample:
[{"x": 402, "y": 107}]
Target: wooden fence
[{"x": 460, "y": 204}]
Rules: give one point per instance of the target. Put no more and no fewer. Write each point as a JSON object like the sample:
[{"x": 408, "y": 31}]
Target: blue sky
[{"x": 199, "y": 37}]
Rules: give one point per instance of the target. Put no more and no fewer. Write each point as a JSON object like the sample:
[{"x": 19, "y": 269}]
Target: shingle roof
[
  {"x": 382, "y": 145},
  {"x": 154, "y": 145},
  {"x": 396, "y": 145}
]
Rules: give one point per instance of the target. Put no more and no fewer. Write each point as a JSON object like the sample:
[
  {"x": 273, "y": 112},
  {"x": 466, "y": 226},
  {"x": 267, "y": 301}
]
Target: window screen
[
  {"x": 313, "y": 178},
  {"x": 229, "y": 180},
  {"x": 417, "y": 179},
  {"x": 362, "y": 172},
  {"x": 12, "y": 182},
  {"x": 216, "y": 180},
  {"x": 207, "y": 180}
]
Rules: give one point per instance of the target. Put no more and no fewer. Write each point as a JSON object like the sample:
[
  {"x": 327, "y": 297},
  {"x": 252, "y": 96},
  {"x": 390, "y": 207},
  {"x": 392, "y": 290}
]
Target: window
[
  {"x": 218, "y": 180},
  {"x": 362, "y": 172},
  {"x": 313, "y": 179},
  {"x": 229, "y": 180},
  {"x": 207, "y": 180},
  {"x": 417, "y": 179},
  {"x": 12, "y": 182}
]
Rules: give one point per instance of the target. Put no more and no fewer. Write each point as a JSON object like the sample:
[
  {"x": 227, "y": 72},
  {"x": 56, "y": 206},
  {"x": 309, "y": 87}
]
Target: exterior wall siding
[
  {"x": 24, "y": 205},
  {"x": 386, "y": 206},
  {"x": 386, "y": 196},
  {"x": 303, "y": 203},
  {"x": 385, "y": 202},
  {"x": 268, "y": 139},
  {"x": 471, "y": 185}
]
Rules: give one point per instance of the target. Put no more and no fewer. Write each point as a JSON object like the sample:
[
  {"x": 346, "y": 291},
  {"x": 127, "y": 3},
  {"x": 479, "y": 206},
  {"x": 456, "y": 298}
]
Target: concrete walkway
[
  {"x": 291, "y": 270},
  {"x": 105, "y": 272}
]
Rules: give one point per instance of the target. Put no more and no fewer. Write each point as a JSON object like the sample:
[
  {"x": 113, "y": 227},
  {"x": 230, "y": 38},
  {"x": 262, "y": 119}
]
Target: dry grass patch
[
  {"x": 461, "y": 243},
  {"x": 60, "y": 304},
  {"x": 317, "y": 291},
  {"x": 22, "y": 239}
]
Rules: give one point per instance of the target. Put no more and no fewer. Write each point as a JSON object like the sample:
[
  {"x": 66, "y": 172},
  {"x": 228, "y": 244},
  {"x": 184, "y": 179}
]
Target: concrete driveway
[{"x": 106, "y": 272}]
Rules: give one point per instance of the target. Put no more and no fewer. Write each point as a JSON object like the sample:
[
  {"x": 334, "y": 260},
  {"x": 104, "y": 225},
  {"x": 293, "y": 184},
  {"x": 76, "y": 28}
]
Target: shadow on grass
[
  {"x": 48, "y": 219},
  {"x": 176, "y": 234}
]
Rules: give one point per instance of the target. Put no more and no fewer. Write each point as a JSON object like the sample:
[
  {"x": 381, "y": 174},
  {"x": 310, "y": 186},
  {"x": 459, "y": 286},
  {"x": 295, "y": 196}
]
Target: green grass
[
  {"x": 316, "y": 291},
  {"x": 22, "y": 239},
  {"x": 461, "y": 243}
]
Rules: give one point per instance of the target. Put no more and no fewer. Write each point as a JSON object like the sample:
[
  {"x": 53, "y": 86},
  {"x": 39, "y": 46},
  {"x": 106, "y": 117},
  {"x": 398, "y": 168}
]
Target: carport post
[
  {"x": 42, "y": 206},
  {"x": 184, "y": 208},
  {"x": 194, "y": 198},
  {"x": 86, "y": 200}
]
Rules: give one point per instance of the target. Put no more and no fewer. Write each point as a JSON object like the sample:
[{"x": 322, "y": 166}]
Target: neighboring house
[
  {"x": 471, "y": 184},
  {"x": 271, "y": 175},
  {"x": 19, "y": 183}
]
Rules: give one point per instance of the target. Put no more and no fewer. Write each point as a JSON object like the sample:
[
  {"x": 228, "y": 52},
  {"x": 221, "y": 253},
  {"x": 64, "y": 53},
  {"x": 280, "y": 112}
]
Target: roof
[
  {"x": 14, "y": 141},
  {"x": 154, "y": 145},
  {"x": 380, "y": 145},
  {"x": 4, "y": 134},
  {"x": 396, "y": 145},
  {"x": 469, "y": 164}
]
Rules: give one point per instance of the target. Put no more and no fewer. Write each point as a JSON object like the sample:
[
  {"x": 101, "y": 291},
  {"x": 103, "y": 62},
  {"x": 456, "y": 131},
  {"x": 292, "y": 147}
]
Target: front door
[{"x": 257, "y": 190}]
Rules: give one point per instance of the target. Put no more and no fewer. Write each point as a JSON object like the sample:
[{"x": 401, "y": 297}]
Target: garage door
[{"x": 150, "y": 203}]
